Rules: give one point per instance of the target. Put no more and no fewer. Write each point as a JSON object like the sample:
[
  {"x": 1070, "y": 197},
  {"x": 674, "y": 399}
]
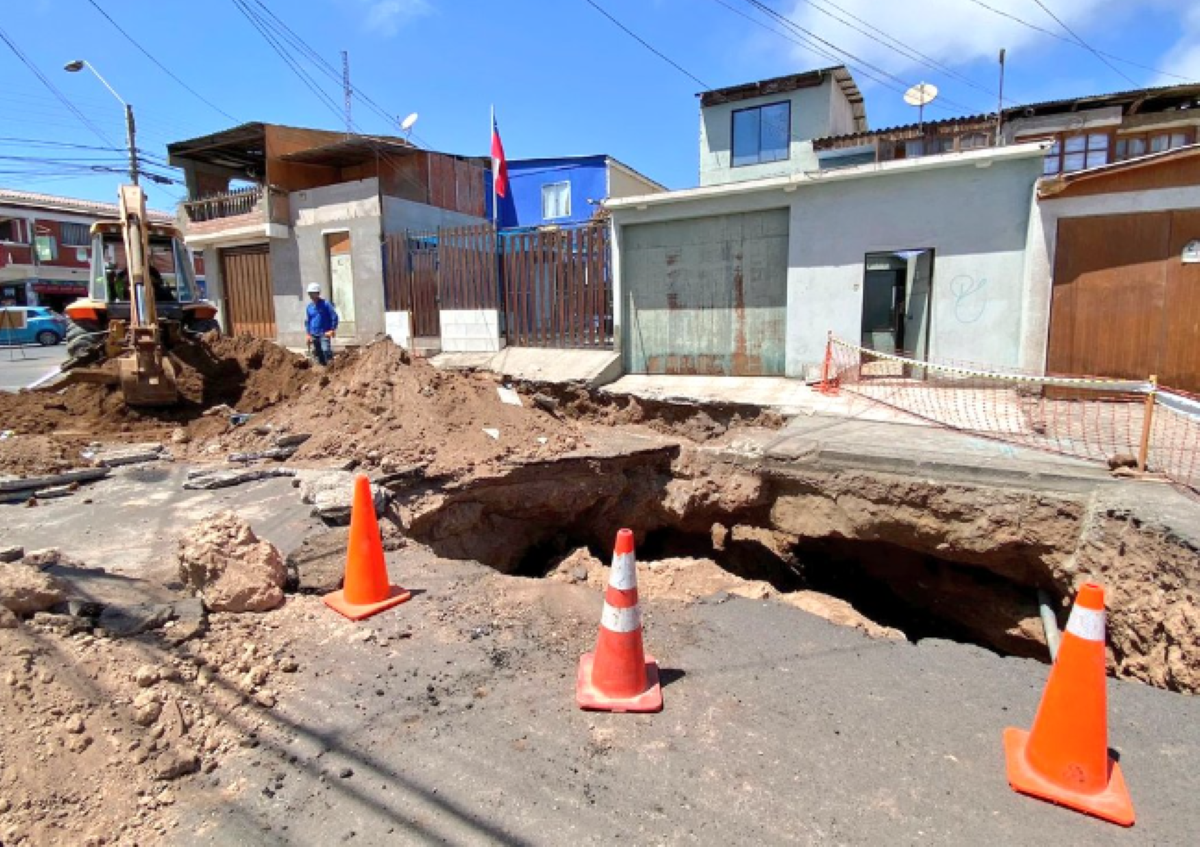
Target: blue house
[{"x": 564, "y": 190}]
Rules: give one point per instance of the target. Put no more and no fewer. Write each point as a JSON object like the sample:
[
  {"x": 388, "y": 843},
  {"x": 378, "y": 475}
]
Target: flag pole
[{"x": 491, "y": 139}]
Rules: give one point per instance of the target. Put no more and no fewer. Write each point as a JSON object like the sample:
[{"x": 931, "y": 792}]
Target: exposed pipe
[{"x": 1049, "y": 623}]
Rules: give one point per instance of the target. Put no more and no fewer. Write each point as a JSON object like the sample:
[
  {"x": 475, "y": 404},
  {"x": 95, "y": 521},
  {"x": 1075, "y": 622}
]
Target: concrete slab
[{"x": 536, "y": 364}]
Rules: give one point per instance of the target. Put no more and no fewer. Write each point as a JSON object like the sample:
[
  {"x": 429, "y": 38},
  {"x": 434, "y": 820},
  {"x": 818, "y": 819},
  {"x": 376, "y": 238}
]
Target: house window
[
  {"x": 47, "y": 248},
  {"x": 761, "y": 134},
  {"x": 1075, "y": 153},
  {"x": 10, "y": 230},
  {"x": 1132, "y": 146},
  {"x": 974, "y": 141},
  {"x": 74, "y": 235},
  {"x": 556, "y": 200}
]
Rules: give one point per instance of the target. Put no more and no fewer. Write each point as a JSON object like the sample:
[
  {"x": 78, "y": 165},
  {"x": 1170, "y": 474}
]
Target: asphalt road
[{"x": 21, "y": 365}]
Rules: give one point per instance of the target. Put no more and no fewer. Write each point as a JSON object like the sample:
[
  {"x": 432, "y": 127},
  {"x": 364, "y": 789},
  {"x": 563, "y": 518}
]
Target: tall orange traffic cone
[
  {"x": 619, "y": 676},
  {"x": 1064, "y": 758},
  {"x": 365, "y": 590}
]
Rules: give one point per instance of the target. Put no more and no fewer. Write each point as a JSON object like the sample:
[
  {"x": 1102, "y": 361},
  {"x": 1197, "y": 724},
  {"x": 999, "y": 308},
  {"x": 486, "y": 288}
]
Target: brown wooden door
[
  {"x": 1181, "y": 360},
  {"x": 249, "y": 300}
]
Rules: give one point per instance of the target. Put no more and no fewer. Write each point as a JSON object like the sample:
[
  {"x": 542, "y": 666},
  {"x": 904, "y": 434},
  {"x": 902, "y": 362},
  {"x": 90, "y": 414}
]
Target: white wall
[
  {"x": 470, "y": 331},
  {"x": 812, "y": 115},
  {"x": 398, "y": 326},
  {"x": 974, "y": 219}
]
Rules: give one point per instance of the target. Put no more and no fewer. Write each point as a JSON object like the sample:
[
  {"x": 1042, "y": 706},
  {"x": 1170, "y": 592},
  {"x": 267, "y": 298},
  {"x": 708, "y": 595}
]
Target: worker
[{"x": 320, "y": 323}]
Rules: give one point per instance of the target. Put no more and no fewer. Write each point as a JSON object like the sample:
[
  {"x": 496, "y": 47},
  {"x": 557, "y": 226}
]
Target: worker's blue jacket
[{"x": 320, "y": 318}]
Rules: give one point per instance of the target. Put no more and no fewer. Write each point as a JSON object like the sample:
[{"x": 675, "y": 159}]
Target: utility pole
[
  {"x": 131, "y": 139},
  {"x": 347, "y": 91},
  {"x": 1000, "y": 104}
]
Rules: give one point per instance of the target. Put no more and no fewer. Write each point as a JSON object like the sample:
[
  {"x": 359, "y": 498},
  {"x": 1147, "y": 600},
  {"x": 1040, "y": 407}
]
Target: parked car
[{"x": 42, "y": 325}]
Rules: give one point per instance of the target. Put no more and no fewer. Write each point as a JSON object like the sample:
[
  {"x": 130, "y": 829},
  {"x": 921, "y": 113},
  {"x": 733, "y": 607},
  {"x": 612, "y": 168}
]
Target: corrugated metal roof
[
  {"x": 783, "y": 84},
  {"x": 969, "y": 120},
  {"x": 1049, "y": 188},
  {"x": 1182, "y": 90},
  {"x": 52, "y": 202}
]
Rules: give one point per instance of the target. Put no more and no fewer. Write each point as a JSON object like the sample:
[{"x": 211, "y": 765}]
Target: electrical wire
[
  {"x": 62, "y": 98},
  {"x": 1083, "y": 43},
  {"x": 1072, "y": 41},
  {"x": 645, "y": 44},
  {"x": 159, "y": 64}
]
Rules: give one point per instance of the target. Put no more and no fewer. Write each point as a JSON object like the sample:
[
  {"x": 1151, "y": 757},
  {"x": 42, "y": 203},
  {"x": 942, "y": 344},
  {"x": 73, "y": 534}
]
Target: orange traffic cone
[
  {"x": 365, "y": 590},
  {"x": 1064, "y": 758},
  {"x": 619, "y": 676}
]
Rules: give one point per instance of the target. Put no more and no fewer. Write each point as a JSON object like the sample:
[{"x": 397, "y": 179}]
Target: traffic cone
[
  {"x": 1064, "y": 758},
  {"x": 619, "y": 676},
  {"x": 365, "y": 590}
]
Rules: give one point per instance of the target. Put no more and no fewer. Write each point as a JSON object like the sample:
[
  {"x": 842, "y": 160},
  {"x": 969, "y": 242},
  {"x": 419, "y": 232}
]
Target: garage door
[
  {"x": 706, "y": 296},
  {"x": 249, "y": 299}
]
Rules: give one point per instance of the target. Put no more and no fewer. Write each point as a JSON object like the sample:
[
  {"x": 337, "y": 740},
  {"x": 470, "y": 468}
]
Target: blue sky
[{"x": 563, "y": 78}]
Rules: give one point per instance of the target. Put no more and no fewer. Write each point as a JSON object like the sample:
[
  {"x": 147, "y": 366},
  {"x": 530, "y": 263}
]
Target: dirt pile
[{"x": 230, "y": 567}]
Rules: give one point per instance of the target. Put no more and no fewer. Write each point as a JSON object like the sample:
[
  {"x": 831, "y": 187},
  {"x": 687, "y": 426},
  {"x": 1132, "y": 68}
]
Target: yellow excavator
[{"x": 142, "y": 302}]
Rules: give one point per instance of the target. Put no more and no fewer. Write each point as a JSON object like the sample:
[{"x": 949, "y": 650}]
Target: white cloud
[
  {"x": 1184, "y": 58},
  {"x": 387, "y": 16}
]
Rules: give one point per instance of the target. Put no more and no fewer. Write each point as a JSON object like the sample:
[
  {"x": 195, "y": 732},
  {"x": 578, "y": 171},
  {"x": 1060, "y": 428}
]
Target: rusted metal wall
[{"x": 707, "y": 295}]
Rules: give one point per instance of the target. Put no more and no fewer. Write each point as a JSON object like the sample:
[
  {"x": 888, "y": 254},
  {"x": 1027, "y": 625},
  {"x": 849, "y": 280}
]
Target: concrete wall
[
  {"x": 624, "y": 183},
  {"x": 470, "y": 331},
  {"x": 812, "y": 116},
  {"x": 399, "y": 326},
  {"x": 400, "y": 215},
  {"x": 974, "y": 219}
]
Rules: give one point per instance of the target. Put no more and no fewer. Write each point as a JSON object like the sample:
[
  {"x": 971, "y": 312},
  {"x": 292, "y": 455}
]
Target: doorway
[
  {"x": 896, "y": 292},
  {"x": 341, "y": 281}
]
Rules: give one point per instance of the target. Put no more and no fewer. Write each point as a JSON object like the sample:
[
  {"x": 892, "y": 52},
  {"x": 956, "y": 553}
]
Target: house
[
  {"x": 748, "y": 273},
  {"x": 45, "y": 246},
  {"x": 564, "y": 190},
  {"x": 275, "y": 208}
]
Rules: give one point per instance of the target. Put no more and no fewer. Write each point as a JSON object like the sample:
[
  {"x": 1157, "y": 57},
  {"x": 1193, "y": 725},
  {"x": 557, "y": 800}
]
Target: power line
[
  {"x": 53, "y": 90},
  {"x": 1089, "y": 47},
  {"x": 159, "y": 64},
  {"x": 1074, "y": 42},
  {"x": 643, "y": 42}
]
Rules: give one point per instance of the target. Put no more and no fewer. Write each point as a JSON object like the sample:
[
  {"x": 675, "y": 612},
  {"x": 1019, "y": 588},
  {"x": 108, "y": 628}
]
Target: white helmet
[{"x": 314, "y": 288}]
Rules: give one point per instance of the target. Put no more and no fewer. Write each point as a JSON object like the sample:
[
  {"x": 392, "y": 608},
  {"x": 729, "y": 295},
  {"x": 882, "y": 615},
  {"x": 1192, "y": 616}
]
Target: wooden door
[
  {"x": 249, "y": 296},
  {"x": 1180, "y": 366}
]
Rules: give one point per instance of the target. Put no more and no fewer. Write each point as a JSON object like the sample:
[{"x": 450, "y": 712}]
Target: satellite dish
[
  {"x": 921, "y": 94},
  {"x": 407, "y": 123}
]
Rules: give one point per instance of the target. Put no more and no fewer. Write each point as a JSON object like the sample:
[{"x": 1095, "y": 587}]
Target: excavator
[{"x": 142, "y": 303}]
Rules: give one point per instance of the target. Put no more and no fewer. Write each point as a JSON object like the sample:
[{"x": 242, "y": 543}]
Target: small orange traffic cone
[
  {"x": 1064, "y": 758},
  {"x": 619, "y": 676},
  {"x": 365, "y": 590}
]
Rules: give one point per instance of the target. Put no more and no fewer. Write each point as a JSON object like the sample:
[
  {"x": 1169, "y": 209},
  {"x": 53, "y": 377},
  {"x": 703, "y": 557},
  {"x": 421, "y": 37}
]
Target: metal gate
[{"x": 249, "y": 297}]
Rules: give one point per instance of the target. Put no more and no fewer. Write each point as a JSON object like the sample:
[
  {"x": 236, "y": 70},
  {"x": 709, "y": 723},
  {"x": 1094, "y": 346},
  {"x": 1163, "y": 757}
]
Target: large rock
[
  {"x": 318, "y": 565},
  {"x": 331, "y": 493},
  {"x": 230, "y": 567},
  {"x": 25, "y": 589}
]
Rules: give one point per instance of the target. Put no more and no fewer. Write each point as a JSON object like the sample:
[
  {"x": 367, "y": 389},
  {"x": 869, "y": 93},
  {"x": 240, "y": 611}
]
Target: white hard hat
[{"x": 314, "y": 288}]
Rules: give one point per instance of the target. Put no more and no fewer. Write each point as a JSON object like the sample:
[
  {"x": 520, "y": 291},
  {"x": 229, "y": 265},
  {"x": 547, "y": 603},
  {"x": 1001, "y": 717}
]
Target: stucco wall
[
  {"x": 399, "y": 215},
  {"x": 622, "y": 183},
  {"x": 812, "y": 115},
  {"x": 974, "y": 219}
]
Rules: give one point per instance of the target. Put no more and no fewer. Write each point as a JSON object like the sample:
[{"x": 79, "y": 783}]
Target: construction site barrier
[{"x": 1138, "y": 423}]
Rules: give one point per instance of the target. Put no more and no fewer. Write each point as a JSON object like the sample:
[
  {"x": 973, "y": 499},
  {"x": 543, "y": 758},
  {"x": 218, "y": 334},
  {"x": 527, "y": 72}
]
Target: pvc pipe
[{"x": 1049, "y": 623}]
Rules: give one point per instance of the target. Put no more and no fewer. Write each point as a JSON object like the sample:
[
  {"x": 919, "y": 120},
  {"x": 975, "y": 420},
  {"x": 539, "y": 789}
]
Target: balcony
[{"x": 242, "y": 211}]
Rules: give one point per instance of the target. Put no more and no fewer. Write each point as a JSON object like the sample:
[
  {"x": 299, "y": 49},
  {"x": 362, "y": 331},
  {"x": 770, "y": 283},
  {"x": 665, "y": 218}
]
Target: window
[
  {"x": 761, "y": 134},
  {"x": 10, "y": 230},
  {"x": 1075, "y": 153},
  {"x": 74, "y": 235},
  {"x": 556, "y": 200},
  {"x": 47, "y": 248},
  {"x": 974, "y": 141},
  {"x": 1132, "y": 146}
]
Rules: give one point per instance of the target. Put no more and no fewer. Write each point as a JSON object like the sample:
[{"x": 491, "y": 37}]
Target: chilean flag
[{"x": 499, "y": 166}]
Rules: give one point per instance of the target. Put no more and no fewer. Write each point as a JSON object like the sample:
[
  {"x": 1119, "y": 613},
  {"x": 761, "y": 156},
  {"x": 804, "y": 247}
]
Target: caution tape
[{"x": 1088, "y": 383}]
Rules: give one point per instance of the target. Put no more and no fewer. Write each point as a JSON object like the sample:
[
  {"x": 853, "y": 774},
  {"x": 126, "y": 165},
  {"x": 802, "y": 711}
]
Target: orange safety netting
[{"x": 1090, "y": 418}]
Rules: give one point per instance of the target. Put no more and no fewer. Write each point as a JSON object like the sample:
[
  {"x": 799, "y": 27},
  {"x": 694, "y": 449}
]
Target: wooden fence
[{"x": 553, "y": 288}]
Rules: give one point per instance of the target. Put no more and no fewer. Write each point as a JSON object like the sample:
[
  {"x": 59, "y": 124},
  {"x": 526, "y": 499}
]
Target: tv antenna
[{"x": 919, "y": 95}]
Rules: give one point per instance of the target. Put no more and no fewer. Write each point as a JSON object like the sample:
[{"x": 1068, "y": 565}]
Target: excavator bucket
[{"x": 147, "y": 377}]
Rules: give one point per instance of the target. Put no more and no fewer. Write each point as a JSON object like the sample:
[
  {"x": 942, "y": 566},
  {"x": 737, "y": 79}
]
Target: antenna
[
  {"x": 1000, "y": 105},
  {"x": 919, "y": 95},
  {"x": 407, "y": 124},
  {"x": 347, "y": 91}
]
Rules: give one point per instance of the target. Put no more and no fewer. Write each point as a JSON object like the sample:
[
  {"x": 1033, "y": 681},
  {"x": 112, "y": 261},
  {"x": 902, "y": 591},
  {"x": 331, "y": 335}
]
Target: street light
[{"x": 130, "y": 130}]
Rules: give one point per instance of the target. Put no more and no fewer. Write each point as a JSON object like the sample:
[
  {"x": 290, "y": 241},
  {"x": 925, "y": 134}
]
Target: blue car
[{"x": 42, "y": 325}]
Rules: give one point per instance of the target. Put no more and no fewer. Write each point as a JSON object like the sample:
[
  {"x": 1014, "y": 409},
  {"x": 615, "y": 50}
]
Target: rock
[
  {"x": 257, "y": 675},
  {"x": 545, "y": 402},
  {"x": 288, "y": 665},
  {"x": 1122, "y": 460},
  {"x": 45, "y": 558},
  {"x": 65, "y": 624},
  {"x": 176, "y": 762},
  {"x": 146, "y": 708},
  {"x": 577, "y": 566},
  {"x": 330, "y": 493},
  {"x": 25, "y": 590},
  {"x": 346, "y": 773},
  {"x": 191, "y": 620},
  {"x": 145, "y": 676},
  {"x": 74, "y": 725},
  {"x": 179, "y": 435},
  {"x": 7, "y": 619},
  {"x": 265, "y": 699},
  {"x": 11, "y": 554},
  {"x": 124, "y": 621},
  {"x": 228, "y": 479},
  {"x": 132, "y": 454},
  {"x": 230, "y": 567},
  {"x": 294, "y": 439},
  {"x": 318, "y": 565}
]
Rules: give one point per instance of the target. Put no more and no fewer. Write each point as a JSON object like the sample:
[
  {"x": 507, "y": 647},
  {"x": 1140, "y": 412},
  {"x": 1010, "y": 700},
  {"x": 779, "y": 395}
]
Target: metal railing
[{"x": 228, "y": 204}]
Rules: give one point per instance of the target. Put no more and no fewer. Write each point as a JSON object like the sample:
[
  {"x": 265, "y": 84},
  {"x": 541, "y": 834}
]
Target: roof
[
  {"x": 54, "y": 203},
  {"x": 907, "y": 130},
  {"x": 351, "y": 151},
  {"x": 783, "y": 84},
  {"x": 1140, "y": 96},
  {"x": 243, "y": 146},
  {"x": 1050, "y": 188}
]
